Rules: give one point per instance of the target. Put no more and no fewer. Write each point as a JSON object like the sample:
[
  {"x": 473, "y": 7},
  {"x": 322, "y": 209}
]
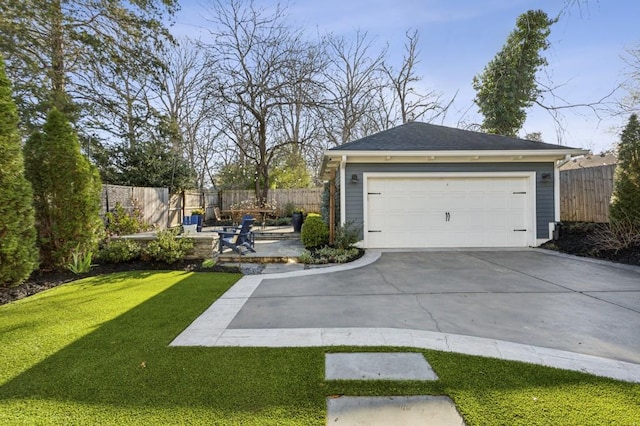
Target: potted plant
[
  {"x": 297, "y": 219},
  {"x": 196, "y": 218}
]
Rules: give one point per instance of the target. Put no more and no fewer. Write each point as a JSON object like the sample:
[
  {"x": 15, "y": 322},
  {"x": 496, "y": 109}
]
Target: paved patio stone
[
  {"x": 393, "y": 410},
  {"x": 378, "y": 366}
]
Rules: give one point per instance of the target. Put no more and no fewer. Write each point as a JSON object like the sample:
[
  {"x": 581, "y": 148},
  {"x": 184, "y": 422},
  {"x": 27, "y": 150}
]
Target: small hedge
[
  {"x": 328, "y": 254},
  {"x": 119, "y": 251},
  {"x": 315, "y": 232},
  {"x": 168, "y": 247}
]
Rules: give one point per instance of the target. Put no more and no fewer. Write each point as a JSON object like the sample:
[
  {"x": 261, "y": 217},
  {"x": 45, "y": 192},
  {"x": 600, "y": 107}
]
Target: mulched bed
[
  {"x": 42, "y": 280},
  {"x": 579, "y": 238}
]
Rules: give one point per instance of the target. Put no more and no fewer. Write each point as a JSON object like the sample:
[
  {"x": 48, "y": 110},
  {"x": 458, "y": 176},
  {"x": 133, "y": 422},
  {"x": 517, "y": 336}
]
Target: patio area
[{"x": 273, "y": 244}]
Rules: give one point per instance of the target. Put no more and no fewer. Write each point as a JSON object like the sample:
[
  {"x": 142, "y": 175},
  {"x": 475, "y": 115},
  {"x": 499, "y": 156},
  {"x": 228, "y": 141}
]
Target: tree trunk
[{"x": 58, "y": 93}]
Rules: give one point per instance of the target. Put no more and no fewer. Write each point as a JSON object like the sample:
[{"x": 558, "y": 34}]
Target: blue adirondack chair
[{"x": 237, "y": 238}]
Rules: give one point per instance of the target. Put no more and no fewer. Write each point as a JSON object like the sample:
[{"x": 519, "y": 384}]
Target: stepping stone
[
  {"x": 378, "y": 366},
  {"x": 393, "y": 410}
]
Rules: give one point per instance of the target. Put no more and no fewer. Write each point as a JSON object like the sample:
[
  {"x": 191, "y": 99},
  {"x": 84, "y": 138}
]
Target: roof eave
[{"x": 333, "y": 158}]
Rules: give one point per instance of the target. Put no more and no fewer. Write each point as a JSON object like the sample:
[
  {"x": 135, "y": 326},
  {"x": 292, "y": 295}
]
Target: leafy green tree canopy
[
  {"x": 64, "y": 52},
  {"x": 625, "y": 202},
  {"x": 291, "y": 171},
  {"x": 507, "y": 85},
  {"x": 236, "y": 176},
  {"x": 153, "y": 163},
  {"x": 18, "y": 251}
]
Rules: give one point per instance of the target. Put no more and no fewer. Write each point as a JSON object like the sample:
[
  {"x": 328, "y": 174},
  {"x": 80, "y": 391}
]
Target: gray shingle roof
[{"x": 430, "y": 137}]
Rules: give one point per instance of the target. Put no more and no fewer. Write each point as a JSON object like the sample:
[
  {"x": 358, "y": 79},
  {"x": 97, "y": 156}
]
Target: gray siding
[{"x": 544, "y": 188}]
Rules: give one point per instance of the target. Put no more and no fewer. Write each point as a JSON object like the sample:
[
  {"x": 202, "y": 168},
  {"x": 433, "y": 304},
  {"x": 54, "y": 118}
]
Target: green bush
[
  {"x": 315, "y": 232},
  {"x": 120, "y": 222},
  {"x": 347, "y": 235},
  {"x": 328, "y": 254},
  {"x": 288, "y": 208},
  {"x": 18, "y": 250},
  {"x": 66, "y": 188},
  {"x": 324, "y": 207},
  {"x": 118, "y": 251},
  {"x": 80, "y": 262},
  {"x": 280, "y": 221},
  {"x": 167, "y": 247}
]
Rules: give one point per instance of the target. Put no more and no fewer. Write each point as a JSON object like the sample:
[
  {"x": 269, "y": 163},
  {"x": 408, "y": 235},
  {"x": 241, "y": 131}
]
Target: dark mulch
[
  {"x": 42, "y": 279},
  {"x": 580, "y": 239}
]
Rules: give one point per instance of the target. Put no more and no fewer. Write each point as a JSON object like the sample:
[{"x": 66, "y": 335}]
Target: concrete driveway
[{"x": 520, "y": 298}]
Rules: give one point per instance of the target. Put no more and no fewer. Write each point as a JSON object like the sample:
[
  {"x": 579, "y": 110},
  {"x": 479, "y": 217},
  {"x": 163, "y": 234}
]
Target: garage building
[{"x": 423, "y": 185}]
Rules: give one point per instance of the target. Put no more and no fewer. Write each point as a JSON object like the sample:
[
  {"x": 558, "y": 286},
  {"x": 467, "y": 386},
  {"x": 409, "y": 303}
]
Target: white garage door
[{"x": 448, "y": 212}]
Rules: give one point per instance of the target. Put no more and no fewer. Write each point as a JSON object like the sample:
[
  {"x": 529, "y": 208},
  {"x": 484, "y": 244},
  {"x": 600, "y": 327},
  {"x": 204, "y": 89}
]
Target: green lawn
[{"x": 96, "y": 351}]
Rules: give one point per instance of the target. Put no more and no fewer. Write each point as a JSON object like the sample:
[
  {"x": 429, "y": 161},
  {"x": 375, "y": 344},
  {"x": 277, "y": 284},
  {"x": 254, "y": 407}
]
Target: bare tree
[
  {"x": 251, "y": 58},
  {"x": 405, "y": 102},
  {"x": 630, "y": 104},
  {"x": 184, "y": 102},
  {"x": 353, "y": 83}
]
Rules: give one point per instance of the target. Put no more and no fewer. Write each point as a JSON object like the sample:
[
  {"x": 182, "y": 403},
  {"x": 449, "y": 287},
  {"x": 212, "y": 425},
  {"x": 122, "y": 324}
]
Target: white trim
[
  {"x": 531, "y": 218},
  {"x": 556, "y": 193},
  {"x": 343, "y": 190},
  {"x": 365, "y": 209},
  {"x": 557, "y": 153}
]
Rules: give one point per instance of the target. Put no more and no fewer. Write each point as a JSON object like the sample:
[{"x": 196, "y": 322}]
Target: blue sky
[{"x": 459, "y": 37}]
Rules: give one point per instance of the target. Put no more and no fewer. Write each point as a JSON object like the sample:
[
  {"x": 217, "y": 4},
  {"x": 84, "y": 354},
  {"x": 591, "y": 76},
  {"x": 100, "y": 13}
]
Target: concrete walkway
[{"x": 525, "y": 305}]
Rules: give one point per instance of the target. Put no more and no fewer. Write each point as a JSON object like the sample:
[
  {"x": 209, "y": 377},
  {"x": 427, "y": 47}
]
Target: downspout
[
  {"x": 556, "y": 196},
  {"x": 343, "y": 190}
]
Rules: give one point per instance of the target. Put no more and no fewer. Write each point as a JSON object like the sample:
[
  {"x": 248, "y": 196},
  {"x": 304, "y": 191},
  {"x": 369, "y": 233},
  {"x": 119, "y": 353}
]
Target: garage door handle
[
  {"x": 374, "y": 193},
  {"x": 374, "y": 231},
  {"x": 519, "y": 230},
  {"x": 447, "y": 217}
]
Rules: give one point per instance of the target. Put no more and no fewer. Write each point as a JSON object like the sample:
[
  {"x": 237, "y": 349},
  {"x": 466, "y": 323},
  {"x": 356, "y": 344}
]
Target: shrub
[
  {"x": 118, "y": 251},
  {"x": 280, "y": 221},
  {"x": 66, "y": 188},
  {"x": 80, "y": 262},
  {"x": 619, "y": 235},
  {"x": 347, "y": 235},
  {"x": 314, "y": 231},
  {"x": 324, "y": 208},
  {"x": 288, "y": 208},
  {"x": 18, "y": 250},
  {"x": 167, "y": 247},
  {"x": 328, "y": 254},
  {"x": 120, "y": 222},
  {"x": 208, "y": 263}
]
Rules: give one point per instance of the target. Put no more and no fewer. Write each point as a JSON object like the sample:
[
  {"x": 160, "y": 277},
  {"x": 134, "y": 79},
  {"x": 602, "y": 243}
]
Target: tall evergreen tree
[
  {"x": 69, "y": 53},
  {"x": 507, "y": 85},
  {"x": 66, "y": 192},
  {"x": 625, "y": 202},
  {"x": 18, "y": 251}
]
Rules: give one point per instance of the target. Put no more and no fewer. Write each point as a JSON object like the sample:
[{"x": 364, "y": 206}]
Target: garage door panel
[{"x": 448, "y": 212}]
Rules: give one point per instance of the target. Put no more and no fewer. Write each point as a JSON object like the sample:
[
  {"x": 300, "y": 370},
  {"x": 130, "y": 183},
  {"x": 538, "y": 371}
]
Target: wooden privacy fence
[
  {"x": 183, "y": 203},
  {"x": 152, "y": 202},
  {"x": 308, "y": 199},
  {"x": 585, "y": 194},
  {"x": 164, "y": 210}
]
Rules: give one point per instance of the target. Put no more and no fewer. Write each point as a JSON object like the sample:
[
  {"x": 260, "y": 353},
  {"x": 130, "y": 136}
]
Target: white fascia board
[{"x": 545, "y": 154}]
